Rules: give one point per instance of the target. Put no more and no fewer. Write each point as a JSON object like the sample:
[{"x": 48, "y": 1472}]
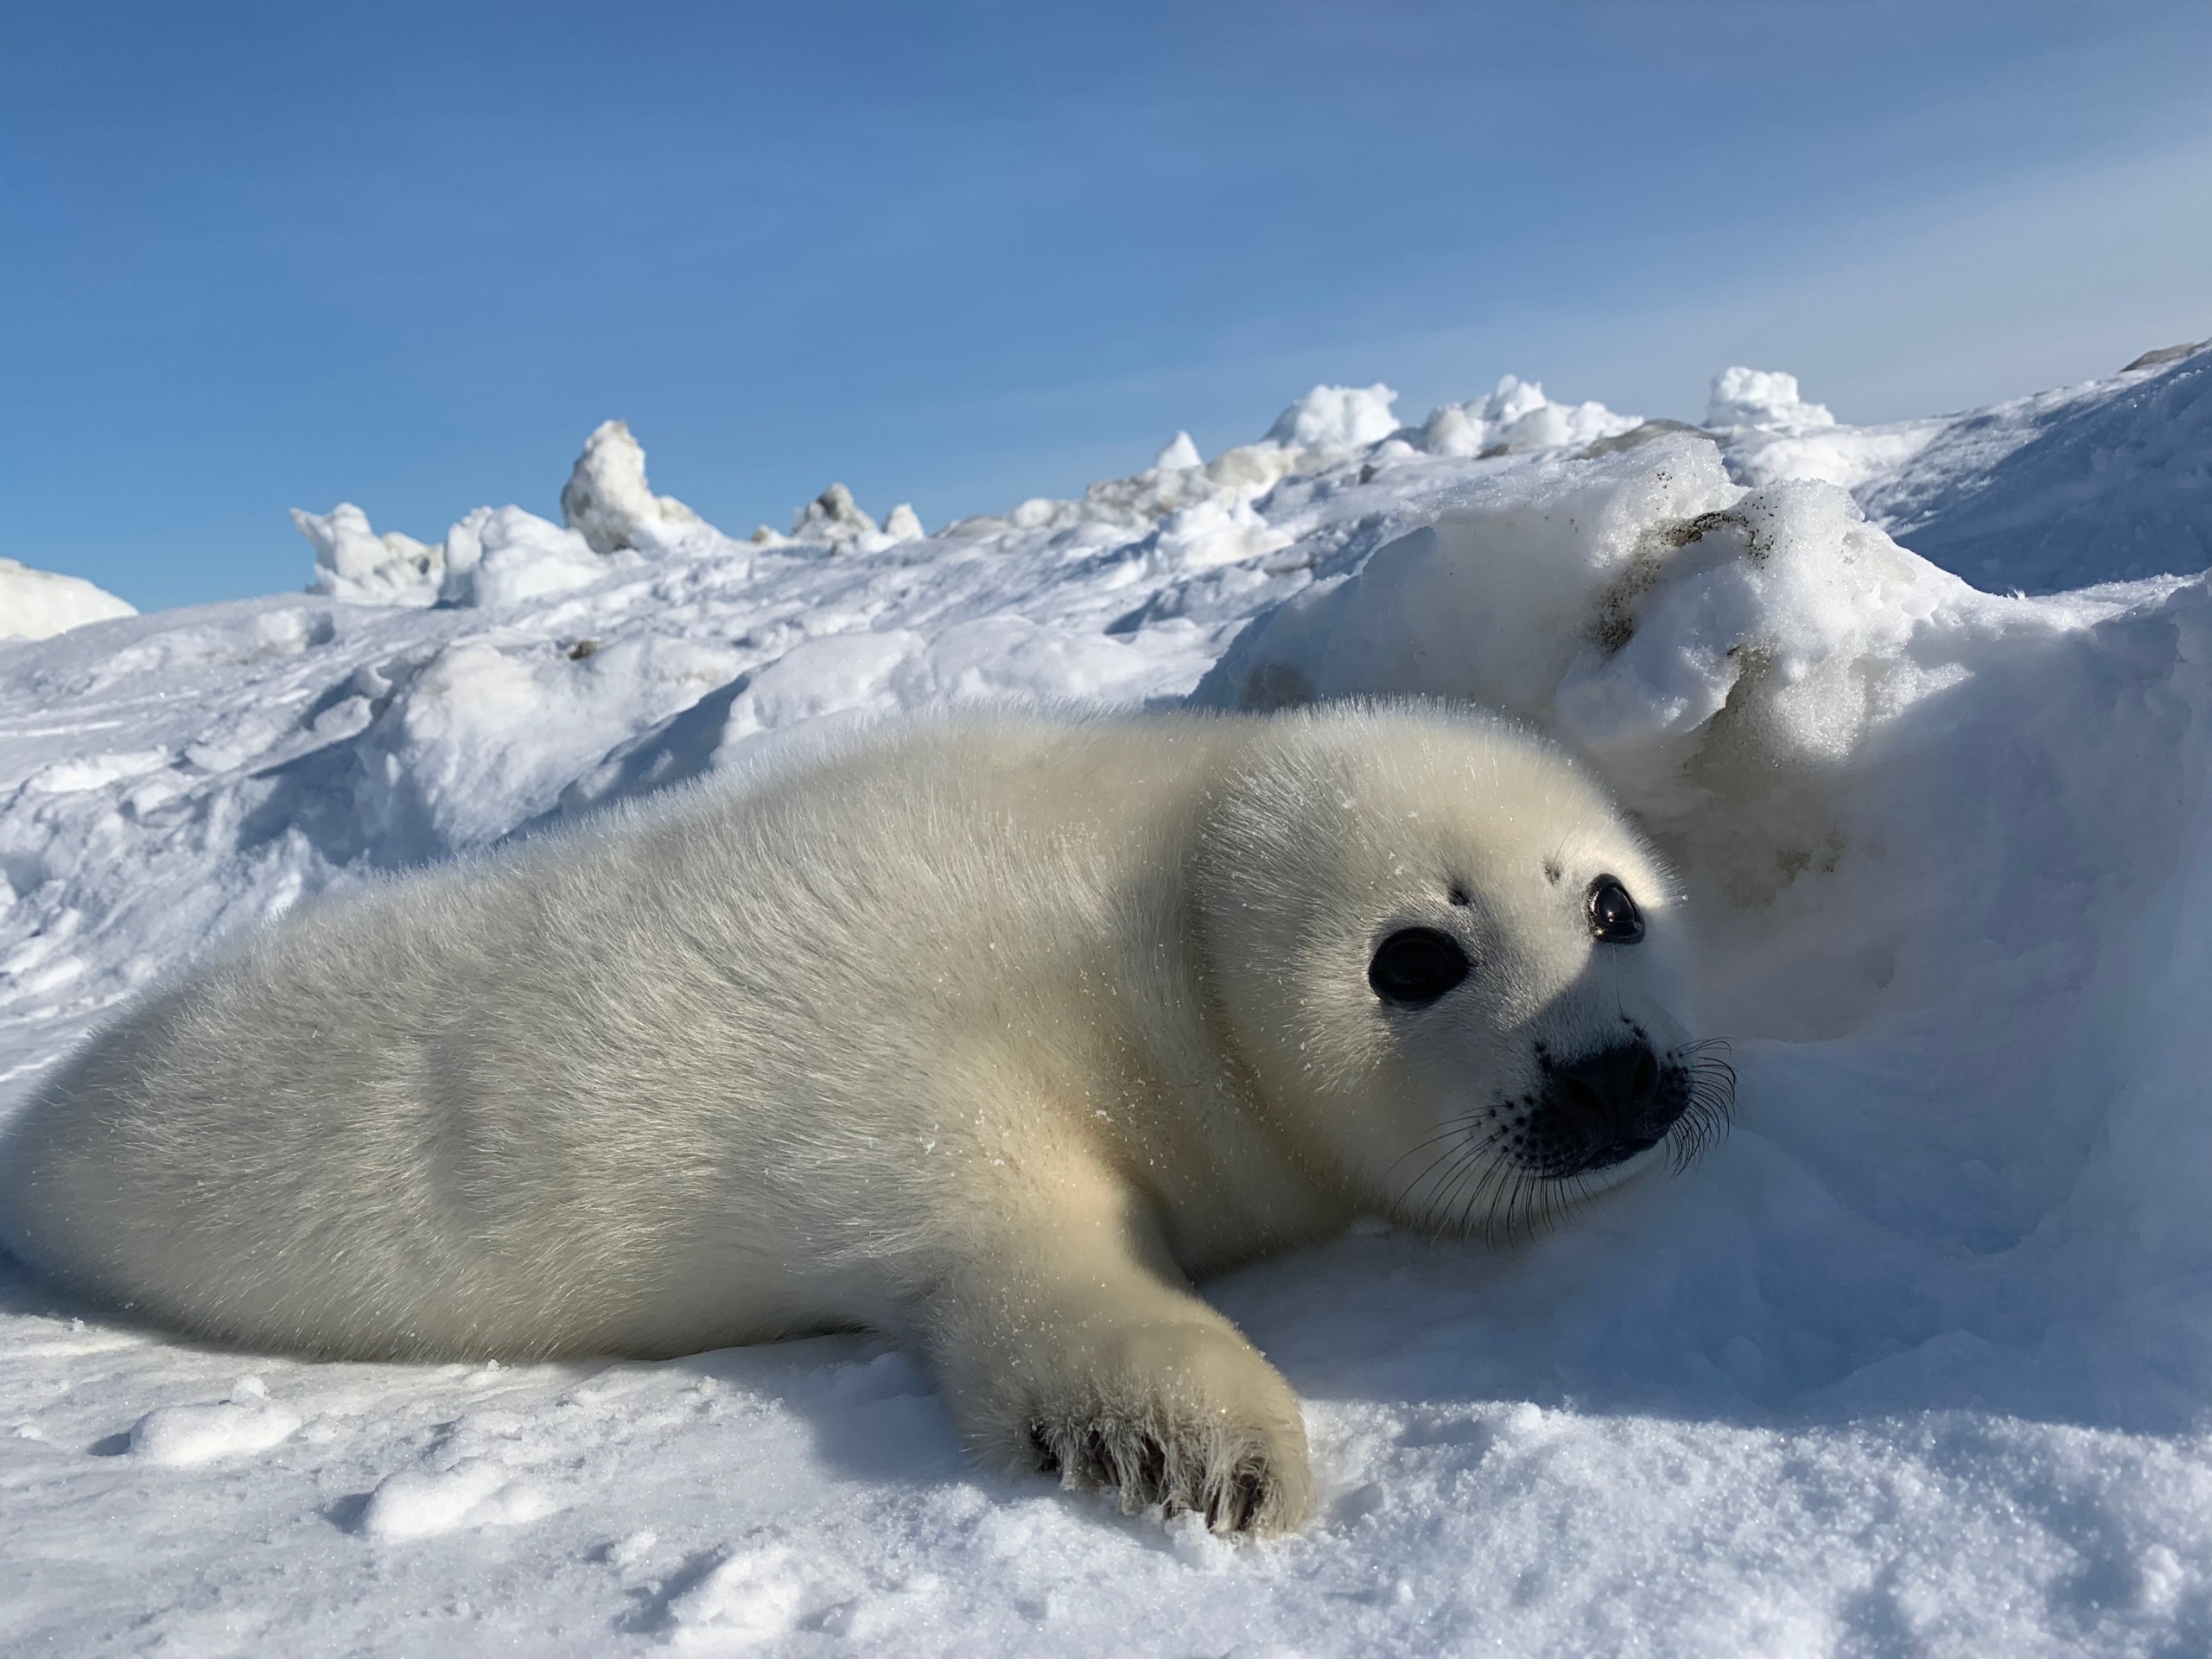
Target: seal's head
[{"x": 1460, "y": 977}]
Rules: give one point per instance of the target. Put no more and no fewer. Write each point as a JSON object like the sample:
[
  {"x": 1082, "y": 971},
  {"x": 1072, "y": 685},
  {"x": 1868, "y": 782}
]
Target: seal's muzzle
[{"x": 1603, "y": 1109}]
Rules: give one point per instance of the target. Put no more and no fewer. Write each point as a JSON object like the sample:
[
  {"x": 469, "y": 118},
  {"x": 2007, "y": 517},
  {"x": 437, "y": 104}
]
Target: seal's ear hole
[
  {"x": 1459, "y": 894},
  {"x": 1614, "y": 918},
  {"x": 1416, "y": 965}
]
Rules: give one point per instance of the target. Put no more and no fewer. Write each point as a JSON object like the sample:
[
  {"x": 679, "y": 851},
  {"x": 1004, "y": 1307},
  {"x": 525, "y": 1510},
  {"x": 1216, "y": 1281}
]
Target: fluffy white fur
[{"x": 990, "y": 1032}]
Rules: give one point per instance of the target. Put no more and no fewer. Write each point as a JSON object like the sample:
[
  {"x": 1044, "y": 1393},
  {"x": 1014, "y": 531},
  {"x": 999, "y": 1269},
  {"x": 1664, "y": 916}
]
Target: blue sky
[{"x": 260, "y": 257}]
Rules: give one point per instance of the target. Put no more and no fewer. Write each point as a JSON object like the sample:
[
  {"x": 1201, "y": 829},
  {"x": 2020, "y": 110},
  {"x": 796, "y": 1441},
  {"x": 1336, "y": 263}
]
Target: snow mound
[
  {"x": 1744, "y": 396},
  {"x": 501, "y": 556},
  {"x": 1180, "y": 455},
  {"x": 608, "y": 503},
  {"x": 177, "y": 1437},
  {"x": 751, "y": 1595},
  {"x": 1515, "y": 419},
  {"x": 1887, "y": 793},
  {"x": 835, "y": 520},
  {"x": 354, "y": 563},
  {"x": 423, "y": 1503},
  {"x": 1337, "y": 417},
  {"x": 39, "y": 604}
]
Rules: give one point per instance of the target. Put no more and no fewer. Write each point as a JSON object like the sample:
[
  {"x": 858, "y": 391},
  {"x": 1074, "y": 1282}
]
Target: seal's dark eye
[
  {"x": 1614, "y": 918},
  {"x": 1416, "y": 965}
]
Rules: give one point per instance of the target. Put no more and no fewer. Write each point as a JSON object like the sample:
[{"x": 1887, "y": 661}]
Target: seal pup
[{"x": 989, "y": 1033}]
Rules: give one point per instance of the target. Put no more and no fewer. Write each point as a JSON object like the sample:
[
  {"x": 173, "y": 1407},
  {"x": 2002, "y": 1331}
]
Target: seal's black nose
[
  {"x": 1612, "y": 1102},
  {"x": 1606, "y": 1093}
]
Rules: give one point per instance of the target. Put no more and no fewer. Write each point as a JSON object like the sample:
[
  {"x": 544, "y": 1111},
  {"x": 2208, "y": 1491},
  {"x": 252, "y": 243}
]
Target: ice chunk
[
  {"x": 1451, "y": 430},
  {"x": 833, "y": 517},
  {"x": 1513, "y": 398},
  {"x": 1180, "y": 453},
  {"x": 1337, "y": 417},
  {"x": 1544, "y": 428},
  {"x": 607, "y": 502},
  {"x": 903, "y": 524},
  {"x": 37, "y": 604},
  {"x": 1251, "y": 470},
  {"x": 1743, "y": 397},
  {"x": 1516, "y": 418},
  {"x": 354, "y": 563},
  {"x": 2163, "y": 355},
  {"x": 501, "y": 555}
]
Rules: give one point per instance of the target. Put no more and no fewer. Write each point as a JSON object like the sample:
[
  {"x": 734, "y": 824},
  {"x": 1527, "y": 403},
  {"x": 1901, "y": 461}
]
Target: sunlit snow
[{"x": 1919, "y": 1361}]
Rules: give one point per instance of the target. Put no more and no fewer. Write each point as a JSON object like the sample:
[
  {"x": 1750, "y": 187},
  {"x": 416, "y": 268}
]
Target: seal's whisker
[
  {"x": 1473, "y": 1160},
  {"x": 1446, "y": 1156},
  {"x": 1451, "y": 1128},
  {"x": 1709, "y": 1105},
  {"x": 1492, "y": 1172},
  {"x": 1462, "y": 1149}
]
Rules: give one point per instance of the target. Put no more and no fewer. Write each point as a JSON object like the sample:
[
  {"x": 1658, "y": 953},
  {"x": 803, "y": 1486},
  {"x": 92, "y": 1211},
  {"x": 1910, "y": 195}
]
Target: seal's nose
[{"x": 1612, "y": 1096}]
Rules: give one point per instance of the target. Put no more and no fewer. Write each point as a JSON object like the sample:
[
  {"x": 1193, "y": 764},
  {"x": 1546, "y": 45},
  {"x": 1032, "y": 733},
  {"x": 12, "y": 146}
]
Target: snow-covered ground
[
  {"x": 1919, "y": 1361},
  {"x": 37, "y": 604}
]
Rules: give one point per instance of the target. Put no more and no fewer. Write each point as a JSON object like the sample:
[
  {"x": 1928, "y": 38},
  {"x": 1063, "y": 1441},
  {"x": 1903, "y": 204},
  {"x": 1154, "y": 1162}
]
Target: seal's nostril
[
  {"x": 1608, "y": 1093},
  {"x": 1603, "y": 1107},
  {"x": 1582, "y": 1105}
]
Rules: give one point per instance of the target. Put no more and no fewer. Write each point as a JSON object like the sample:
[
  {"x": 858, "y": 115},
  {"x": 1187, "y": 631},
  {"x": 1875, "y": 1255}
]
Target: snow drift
[
  {"x": 2107, "y": 483},
  {"x": 1919, "y": 1361},
  {"x": 36, "y": 604}
]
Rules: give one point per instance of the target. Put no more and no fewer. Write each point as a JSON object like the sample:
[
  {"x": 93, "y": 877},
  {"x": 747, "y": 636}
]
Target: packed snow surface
[{"x": 1916, "y": 1362}]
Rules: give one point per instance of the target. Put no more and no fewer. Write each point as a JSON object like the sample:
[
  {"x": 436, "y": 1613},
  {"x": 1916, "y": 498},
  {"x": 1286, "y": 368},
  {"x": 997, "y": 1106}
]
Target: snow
[
  {"x": 421, "y": 1503},
  {"x": 177, "y": 1436},
  {"x": 1743, "y": 397},
  {"x": 1516, "y": 418},
  {"x": 1181, "y": 454},
  {"x": 1337, "y": 417},
  {"x": 2111, "y": 482},
  {"x": 2107, "y": 481},
  {"x": 608, "y": 503},
  {"x": 1915, "y": 1362},
  {"x": 353, "y": 562},
  {"x": 500, "y": 557},
  {"x": 834, "y": 518},
  {"x": 38, "y": 604}
]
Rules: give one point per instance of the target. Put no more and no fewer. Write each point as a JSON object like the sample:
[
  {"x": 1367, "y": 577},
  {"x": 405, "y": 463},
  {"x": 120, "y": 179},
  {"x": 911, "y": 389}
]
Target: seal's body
[{"x": 989, "y": 1033}]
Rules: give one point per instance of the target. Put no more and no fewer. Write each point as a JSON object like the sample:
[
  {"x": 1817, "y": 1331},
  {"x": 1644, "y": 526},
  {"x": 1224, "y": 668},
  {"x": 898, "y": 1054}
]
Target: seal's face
[{"x": 1456, "y": 971}]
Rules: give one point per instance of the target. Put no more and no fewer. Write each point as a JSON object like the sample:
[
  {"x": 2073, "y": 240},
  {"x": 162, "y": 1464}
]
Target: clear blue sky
[{"x": 265, "y": 255}]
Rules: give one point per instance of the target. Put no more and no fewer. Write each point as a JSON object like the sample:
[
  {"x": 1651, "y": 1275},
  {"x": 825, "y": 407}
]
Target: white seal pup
[{"x": 990, "y": 1032}]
